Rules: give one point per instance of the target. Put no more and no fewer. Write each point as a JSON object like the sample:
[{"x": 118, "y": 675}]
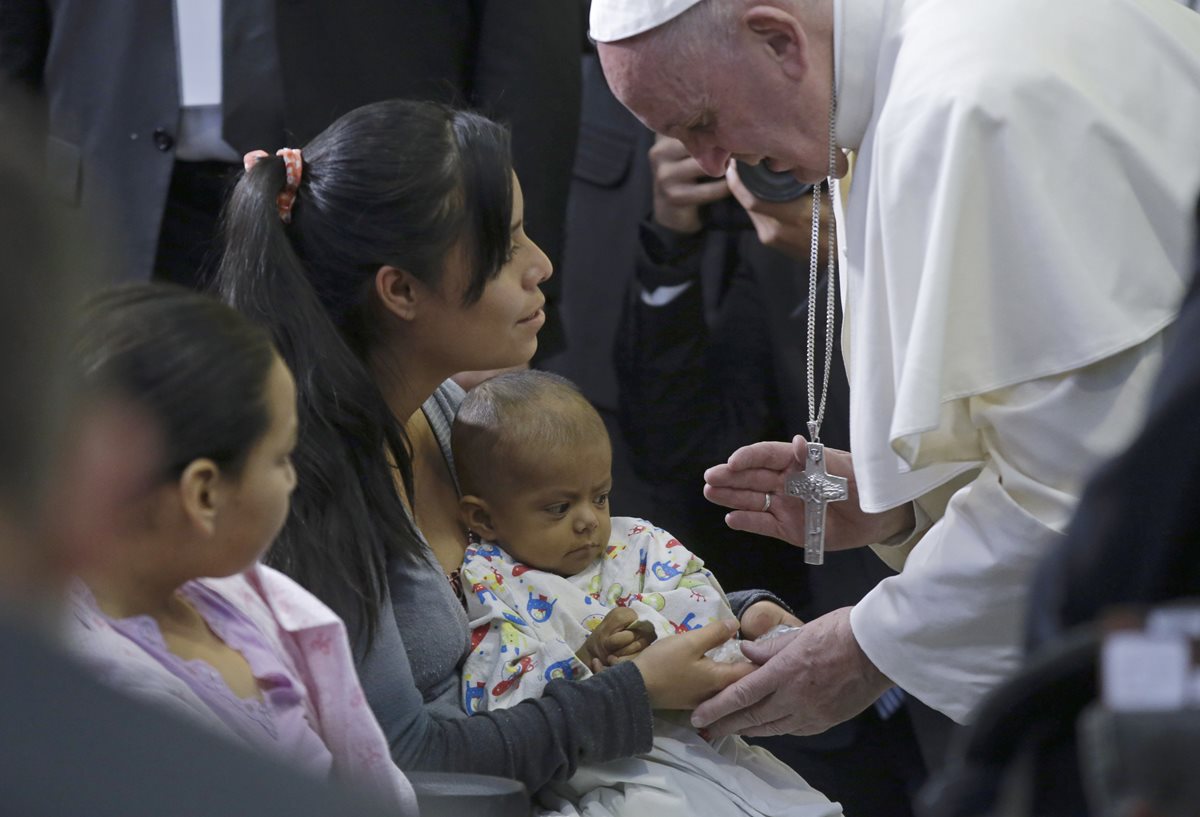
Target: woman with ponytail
[{"x": 386, "y": 255}]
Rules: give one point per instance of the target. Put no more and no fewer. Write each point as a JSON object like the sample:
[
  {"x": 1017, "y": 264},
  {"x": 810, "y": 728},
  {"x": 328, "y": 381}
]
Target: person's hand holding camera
[
  {"x": 785, "y": 226},
  {"x": 681, "y": 188}
]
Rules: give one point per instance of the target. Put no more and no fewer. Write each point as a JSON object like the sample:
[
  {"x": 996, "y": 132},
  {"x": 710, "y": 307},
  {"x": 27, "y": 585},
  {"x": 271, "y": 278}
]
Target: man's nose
[{"x": 712, "y": 158}]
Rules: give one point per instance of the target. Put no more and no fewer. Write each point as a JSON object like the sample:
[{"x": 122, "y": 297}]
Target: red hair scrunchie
[{"x": 293, "y": 164}]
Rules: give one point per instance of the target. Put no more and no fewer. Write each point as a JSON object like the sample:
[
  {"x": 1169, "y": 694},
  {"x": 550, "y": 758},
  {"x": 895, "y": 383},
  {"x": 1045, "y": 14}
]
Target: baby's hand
[
  {"x": 643, "y": 636},
  {"x": 619, "y": 637}
]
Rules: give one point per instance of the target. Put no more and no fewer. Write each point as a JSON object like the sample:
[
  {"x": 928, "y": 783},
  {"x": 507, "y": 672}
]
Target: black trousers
[{"x": 188, "y": 248}]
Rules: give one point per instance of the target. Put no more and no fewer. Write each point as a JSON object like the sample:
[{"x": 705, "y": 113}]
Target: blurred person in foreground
[{"x": 71, "y": 746}]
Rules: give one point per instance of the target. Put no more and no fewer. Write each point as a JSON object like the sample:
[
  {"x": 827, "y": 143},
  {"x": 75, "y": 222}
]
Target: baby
[{"x": 534, "y": 464}]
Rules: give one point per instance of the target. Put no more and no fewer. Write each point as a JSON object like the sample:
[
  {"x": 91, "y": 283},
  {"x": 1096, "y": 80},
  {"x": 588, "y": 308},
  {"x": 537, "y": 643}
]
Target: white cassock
[{"x": 1014, "y": 243}]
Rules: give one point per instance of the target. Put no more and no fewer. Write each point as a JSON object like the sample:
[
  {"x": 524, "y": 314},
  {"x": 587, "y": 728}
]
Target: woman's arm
[
  {"x": 536, "y": 741},
  {"x": 597, "y": 719}
]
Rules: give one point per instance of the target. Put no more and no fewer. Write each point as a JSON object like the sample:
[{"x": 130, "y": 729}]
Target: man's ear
[
  {"x": 476, "y": 515},
  {"x": 783, "y": 35},
  {"x": 201, "y": 493},
  {"x": 399, "y": 292}
]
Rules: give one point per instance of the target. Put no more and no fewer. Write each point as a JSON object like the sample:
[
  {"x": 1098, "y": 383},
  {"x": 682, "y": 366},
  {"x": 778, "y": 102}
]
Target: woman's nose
[{"x": 541, "y": 269}]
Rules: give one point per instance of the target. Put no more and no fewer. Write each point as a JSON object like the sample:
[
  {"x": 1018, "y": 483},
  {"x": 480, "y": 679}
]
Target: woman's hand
[
  {"x": 678, "y": 675},
  {"x": 756, "y": 470},
  {"x": 619, "y": 637}
]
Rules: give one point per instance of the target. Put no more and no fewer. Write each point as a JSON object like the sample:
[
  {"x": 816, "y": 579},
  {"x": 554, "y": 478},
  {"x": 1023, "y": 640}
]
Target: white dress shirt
[{"x": 198, "y": 49}]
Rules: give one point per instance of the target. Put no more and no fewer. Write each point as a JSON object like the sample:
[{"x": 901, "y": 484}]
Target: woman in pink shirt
[{"x": 182, "y": 613}]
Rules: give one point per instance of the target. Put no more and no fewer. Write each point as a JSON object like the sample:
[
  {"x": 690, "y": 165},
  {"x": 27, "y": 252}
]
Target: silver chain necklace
[
  {"x": 814, "y": 485},
  {"x": 816, "y": 412}
]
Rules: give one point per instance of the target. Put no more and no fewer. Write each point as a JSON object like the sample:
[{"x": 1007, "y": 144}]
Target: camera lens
[{"x": 769, "y": 185}]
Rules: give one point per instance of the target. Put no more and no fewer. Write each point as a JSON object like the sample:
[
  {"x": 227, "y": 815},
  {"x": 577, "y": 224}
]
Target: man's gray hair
[{"x": 704, "y": 27}]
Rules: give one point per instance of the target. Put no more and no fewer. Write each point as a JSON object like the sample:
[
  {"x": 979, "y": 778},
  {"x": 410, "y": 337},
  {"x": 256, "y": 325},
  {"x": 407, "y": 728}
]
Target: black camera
[{"x": 769, "y": 185}]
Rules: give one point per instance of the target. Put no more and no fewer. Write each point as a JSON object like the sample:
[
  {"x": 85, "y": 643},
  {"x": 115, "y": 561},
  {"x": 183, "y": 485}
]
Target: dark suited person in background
[{"x": 152, "y": 104}]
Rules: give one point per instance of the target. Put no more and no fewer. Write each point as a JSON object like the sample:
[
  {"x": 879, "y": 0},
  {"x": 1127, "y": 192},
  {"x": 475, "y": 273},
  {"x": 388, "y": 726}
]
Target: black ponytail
[{"x": 394, "y": 183}]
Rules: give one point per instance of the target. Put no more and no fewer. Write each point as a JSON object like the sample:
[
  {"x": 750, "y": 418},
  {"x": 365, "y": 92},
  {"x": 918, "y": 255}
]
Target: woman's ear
[
  {"x": 201, "y": 493},
  {"x": 477, "y": 517},
  {"x": 398, "y": 291},
  {"x": 783, "y": 35}
]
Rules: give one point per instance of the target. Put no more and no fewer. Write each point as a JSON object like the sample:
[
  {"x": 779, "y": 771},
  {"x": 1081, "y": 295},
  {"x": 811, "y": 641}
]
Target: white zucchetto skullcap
[{"x": 613, "y": 20}]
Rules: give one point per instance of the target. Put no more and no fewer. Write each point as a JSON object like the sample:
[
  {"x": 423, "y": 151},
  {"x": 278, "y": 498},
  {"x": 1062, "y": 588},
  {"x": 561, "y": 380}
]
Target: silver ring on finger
[{"x": 766, "y": 502}]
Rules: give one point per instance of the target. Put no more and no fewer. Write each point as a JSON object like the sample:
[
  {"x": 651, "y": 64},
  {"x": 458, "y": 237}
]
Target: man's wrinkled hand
[
  {"x": 755, "y": 470},
  {"x": 808, "y": 681}
]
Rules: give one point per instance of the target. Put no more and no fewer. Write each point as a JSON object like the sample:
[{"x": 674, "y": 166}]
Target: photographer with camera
[{"x": 710, "y": 357}]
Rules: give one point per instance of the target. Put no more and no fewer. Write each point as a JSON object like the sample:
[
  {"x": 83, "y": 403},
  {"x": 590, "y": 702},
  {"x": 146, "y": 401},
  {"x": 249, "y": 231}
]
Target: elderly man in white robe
[{"x": 1012, "y": 252}]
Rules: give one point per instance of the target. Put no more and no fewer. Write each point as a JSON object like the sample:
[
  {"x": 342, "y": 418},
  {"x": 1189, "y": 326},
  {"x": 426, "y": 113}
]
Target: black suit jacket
[
  {"x": 108, "y": 70},
  {"x": 610, "y": 194}
]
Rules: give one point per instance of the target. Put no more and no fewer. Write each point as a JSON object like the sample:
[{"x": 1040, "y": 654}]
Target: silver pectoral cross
[{"x": 817, "y": 488}]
